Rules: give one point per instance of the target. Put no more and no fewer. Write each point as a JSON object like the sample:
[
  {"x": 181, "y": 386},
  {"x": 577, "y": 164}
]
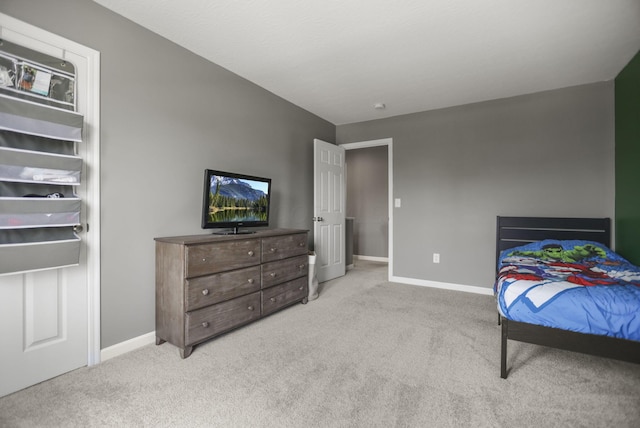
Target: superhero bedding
[{"x": 579, "y": 286}]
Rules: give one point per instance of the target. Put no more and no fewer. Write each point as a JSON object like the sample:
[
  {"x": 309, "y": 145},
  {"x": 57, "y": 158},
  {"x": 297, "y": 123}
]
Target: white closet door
[
  {"x": 45, "y": 325},
  {"x": 329, "y": 210}
]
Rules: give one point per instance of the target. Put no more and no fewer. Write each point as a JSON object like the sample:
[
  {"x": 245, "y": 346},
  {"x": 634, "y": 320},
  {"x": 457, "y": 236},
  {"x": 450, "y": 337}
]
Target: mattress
[{"x": 575, "y": 285}]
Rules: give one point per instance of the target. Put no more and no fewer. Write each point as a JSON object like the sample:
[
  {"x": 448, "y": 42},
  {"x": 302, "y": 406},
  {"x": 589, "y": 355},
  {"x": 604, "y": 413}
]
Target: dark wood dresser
[{"x": 207, "y": 285}]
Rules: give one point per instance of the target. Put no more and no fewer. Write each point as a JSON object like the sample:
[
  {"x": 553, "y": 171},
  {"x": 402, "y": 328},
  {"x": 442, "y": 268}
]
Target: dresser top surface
[{"x": 212, "y": 237}]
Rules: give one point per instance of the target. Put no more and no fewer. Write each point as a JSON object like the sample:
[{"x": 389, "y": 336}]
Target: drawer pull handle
[
  {"x": 250, "y": 308},
  {"x": 205, "y": 292},
  {"x": 273, "y": 274},
  {"x": 301, "y": 244},
  {"x": 273, "y": 250},
  {"x": 204, "y": 260},
  {"x": 251, "y": 253},
  {"x": 301, "y": 267},
  {"x": 205, "y": 324},
  {"x": 250, "y": 280},
  {"x": 273, "y": 299},
  {"x": 301, "y": 288}
]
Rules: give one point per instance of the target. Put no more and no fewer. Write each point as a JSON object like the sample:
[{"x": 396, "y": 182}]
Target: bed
[{"x": 545, "y": 294}]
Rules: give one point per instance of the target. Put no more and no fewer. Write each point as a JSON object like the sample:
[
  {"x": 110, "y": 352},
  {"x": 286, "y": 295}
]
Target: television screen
[{"x": 235, "y": 200}]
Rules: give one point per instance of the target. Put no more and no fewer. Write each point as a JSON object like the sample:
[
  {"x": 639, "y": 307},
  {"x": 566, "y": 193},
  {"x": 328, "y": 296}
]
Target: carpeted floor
[{"x": 367, "y": 353}]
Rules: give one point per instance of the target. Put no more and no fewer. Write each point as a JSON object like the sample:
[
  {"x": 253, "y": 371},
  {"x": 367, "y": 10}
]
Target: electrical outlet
[{"x": 436, "y": 257}]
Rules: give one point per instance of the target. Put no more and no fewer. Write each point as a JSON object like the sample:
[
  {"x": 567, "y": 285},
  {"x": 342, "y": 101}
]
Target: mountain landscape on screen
[{"x": 235, "y": 188}]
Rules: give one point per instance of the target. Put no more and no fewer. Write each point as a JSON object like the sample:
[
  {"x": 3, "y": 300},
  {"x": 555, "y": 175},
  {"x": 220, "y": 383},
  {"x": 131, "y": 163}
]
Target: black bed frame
[{"x": 514, "y": 231}]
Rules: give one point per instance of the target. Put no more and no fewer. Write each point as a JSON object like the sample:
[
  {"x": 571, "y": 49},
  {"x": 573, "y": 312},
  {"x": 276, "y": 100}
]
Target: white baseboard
[
  {"x": 372, "y": 258},
  {"x": 127, "y": 346},
  {"x": 444, "y": 285}
]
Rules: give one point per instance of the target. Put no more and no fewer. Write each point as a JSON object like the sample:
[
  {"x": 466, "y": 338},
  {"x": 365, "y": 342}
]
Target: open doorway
[{"x": 369, "y": 175}]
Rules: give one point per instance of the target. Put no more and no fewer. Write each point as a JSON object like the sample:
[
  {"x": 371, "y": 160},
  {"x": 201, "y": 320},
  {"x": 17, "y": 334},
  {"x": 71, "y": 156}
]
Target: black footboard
[{"x": 592, "y": 344}]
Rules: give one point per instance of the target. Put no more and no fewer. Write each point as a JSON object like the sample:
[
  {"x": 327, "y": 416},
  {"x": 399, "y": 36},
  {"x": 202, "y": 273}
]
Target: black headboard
[{"x": 514, "y": 231}]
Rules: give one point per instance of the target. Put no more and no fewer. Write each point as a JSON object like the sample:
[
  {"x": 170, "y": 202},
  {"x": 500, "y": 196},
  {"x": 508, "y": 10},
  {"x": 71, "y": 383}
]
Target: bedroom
[{"x": 556, "y": 147}]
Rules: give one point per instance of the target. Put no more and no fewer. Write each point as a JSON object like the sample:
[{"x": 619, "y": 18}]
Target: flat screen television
[{"x": 233, "y": 201}]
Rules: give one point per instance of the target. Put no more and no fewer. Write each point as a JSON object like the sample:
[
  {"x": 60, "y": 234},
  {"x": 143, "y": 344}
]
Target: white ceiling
[{"x": 337, "y": 58}]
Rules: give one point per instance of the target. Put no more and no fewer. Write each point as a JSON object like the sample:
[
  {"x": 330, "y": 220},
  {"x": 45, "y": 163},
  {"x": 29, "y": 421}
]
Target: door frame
[
  {"x": 376, "y": 143},
  {"x": 36, "y": 38}
]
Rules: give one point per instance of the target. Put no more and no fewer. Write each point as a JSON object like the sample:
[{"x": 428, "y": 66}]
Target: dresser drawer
[
  {"x": 284, "y": 270},
  {"x": 216, "y": 319},
  {"x": 216, "y": 288},
  {"x": 282, "y": 295},
  {"x": 282, "y": 247},
  {"x": 222, "y": 256}
]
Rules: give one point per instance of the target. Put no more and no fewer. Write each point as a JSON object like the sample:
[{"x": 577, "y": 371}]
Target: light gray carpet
[{"x": 367, "y": 353}]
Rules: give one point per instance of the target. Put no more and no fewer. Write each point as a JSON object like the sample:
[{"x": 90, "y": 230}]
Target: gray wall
[
  {"x": 368, "y": 200},
  {"x": 456, "y": 169},
  {"x": 166, "y": 115}
]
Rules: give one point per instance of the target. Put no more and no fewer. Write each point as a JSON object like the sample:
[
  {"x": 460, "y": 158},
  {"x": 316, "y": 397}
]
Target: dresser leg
[
  {"x": 159, "y": 341},
  {"x": 304, "y": 300},
  {"x": 184, "y": 353}
]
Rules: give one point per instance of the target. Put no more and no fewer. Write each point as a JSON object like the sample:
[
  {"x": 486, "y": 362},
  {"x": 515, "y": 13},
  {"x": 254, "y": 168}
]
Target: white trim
[
  {"x": 365, "y": 144},
  {"x": 444, "y": 285},
  {"x": 38, "y": 39},
  {"x": 376, "y": 143},
  {"x": 92, "y": 137},
  {"x": 372, "y": 258},
  {"x": 128, "y": 346}
]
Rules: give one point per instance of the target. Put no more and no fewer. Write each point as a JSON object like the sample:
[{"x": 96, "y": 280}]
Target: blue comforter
[{"x": 580, "y": 286}]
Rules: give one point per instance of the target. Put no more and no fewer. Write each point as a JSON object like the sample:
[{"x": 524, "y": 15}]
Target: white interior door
[
  {"x": 329, "y": 210},
  {"x": 49, "y": 319},
  {"x": 43, "y": 325}
]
